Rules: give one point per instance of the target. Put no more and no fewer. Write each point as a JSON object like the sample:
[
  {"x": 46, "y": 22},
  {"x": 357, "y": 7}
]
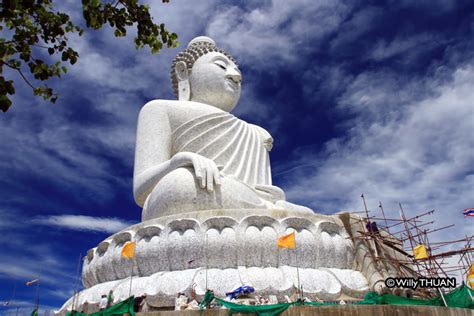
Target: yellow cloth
[
  {"x": 470, "y": 277},
  {"x": 420, "y": 252},
  {"x": 287, "y": 241},
  {"x": 128, "y": 250}
]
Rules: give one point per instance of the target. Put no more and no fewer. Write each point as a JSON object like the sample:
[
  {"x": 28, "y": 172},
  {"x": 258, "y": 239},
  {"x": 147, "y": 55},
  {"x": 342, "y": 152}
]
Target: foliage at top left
[{"x": 34, "y": 28}]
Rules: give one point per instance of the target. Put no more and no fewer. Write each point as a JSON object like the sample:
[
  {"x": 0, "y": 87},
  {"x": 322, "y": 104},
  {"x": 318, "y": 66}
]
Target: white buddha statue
[
  {"x": 211, "y": 216},
  {"x": 192, "y": 154}
]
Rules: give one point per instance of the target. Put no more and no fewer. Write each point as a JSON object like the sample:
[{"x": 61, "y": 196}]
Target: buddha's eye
[{"x": 221, "y": 64}]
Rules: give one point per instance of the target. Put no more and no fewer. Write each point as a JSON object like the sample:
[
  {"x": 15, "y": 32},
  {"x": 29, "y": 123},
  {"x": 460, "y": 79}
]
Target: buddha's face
[{"x": 215, "y": 80}]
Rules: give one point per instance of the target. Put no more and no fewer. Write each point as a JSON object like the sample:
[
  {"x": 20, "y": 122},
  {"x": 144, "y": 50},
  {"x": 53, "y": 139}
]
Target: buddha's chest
[
  {"x": 204, "y": 129},
  {"x": 238, "y": 147},
  {"x": 184, "y": 112}
]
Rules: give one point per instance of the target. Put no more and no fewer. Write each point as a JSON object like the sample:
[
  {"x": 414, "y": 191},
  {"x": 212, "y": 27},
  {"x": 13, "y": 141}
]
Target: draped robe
[{"x": 239, "y": 147}]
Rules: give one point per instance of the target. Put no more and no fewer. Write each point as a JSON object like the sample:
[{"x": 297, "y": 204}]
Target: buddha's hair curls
[{"x": 190, "y": 55}]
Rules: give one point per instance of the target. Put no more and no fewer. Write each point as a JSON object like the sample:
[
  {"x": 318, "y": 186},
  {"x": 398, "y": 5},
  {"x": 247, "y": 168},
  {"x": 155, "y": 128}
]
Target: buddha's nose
[{"x": 234, "y": 75}]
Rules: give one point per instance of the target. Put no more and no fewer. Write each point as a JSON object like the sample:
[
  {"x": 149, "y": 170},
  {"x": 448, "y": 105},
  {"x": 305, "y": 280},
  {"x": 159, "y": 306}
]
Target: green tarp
[
  {"x": 261, "y": 310},
  {"x": 459, "y": 297},
  {"x": 208, "y": 297},
  {"x": 117, "y": 309},
  {"x": 373, "y": 298}
]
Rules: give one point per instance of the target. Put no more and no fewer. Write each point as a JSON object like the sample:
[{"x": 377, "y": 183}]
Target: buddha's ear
[{"x": 184, "y": 91}]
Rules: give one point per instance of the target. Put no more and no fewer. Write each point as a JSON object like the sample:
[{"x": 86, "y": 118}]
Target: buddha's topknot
[{"x": 196, "y": 48}]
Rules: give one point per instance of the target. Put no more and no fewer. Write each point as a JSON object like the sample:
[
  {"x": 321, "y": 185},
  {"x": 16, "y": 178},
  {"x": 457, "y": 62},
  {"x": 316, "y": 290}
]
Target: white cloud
[
  {"x": 25, "y": 259},
  {"x": 276, "y": 32},
  {"x": 357, "y": 25},
  {"x": 88, "y": 223},
  {"x": 26, "y": 307},
  {"x": 408, "y": 141},
  {"x": 421, "y": 155},
  {"x": 408, "y": 46}
]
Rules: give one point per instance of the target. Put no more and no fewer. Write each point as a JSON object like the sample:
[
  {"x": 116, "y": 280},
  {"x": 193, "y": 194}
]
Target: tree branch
[{"x": 21, "y": 74}]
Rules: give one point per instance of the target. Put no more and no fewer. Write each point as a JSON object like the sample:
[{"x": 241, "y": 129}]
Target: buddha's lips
[{"x": 233, "y": 84}]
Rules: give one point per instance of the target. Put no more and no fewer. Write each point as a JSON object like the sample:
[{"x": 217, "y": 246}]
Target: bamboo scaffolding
[
  {"x": 430, "y": 231},
  {"x": 399, "y": 232},
  {"x": 416, "y": 231}
]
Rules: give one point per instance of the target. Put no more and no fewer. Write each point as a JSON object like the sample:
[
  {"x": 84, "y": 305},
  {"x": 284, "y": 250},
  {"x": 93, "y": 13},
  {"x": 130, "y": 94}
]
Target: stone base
[
  {"x": 238, "y": 247},
  {"x": 161, "y": 288},
  {"x": 221, "y": 239}
]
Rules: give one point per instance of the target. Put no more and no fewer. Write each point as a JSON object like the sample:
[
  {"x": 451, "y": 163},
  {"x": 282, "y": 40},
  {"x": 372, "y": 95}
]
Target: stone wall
[{"x": 347, "y": 310}]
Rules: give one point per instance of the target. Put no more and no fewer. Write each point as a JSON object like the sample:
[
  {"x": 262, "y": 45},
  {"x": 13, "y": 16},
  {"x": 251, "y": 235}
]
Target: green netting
[
  {"x": 117, "y": 309},
  {"x": 261, "y": 310},
  {"x": 456, "y": 298},
  {"x": 208, "y": 297},
  {"x": 460, "y": 297},
  {"x": 374, "y": 298}
]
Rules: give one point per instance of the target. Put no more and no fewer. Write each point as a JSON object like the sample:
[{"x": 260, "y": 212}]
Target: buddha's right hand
[{"x": 205, "y": 169}]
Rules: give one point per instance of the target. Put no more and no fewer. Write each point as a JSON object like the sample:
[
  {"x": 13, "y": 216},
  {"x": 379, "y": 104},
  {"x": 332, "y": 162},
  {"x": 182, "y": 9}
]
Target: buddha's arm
[
  {"x": 153, "y": 154},
  {"x": 153, "y": 149}
]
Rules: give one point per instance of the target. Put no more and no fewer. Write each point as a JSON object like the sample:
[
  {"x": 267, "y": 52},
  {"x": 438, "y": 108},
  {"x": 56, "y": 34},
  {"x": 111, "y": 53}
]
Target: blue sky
[{"x": 360, "y": 97}]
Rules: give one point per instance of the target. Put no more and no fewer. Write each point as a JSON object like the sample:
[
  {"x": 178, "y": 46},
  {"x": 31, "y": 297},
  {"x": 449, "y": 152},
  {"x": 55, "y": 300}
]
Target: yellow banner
[
  {"x": 470, "y": 277},
  {"x": 128, "y": 250},
  {"x": 287, "y": 241},
  {"x": 419, "y": 252}
]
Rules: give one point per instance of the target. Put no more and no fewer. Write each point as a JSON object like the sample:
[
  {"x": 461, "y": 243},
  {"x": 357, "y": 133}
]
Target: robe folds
[{"x": 239, "y": 147}]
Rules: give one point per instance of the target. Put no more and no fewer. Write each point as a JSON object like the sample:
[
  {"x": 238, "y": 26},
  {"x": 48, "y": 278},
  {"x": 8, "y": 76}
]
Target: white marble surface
[
  {"x": 161, "y": 288},
  {"x": 220, "y": 242},
  {"x": 192, "y": 154}
]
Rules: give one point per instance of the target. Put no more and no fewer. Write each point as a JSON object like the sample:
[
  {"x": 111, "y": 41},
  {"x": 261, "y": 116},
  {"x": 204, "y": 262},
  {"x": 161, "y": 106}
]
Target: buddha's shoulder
[
  {"x": 177, "y": 106},
  {"x": 263, "y": 132},
  {"x": 160, "y": 104}
]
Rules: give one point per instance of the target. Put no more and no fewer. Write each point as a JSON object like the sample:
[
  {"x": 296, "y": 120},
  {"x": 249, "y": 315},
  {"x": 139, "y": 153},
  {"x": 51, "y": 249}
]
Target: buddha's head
[{"x": 207, "y": 74}]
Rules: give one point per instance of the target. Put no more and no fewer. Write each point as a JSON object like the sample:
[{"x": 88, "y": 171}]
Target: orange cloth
[
  {"x": 470, "y": 277},
  {"x": 287, "y": 241},
  {"x": 128, "y": 250},
  {"x": 32, "y": 282}
]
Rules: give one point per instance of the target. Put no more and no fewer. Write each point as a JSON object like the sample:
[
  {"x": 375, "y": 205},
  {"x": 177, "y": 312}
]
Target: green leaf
[
  {"x": 9, "y": 87},
  {"x": 5, "y": 103},
  {"x": 37, "y": 22},
  {"x": 94, "y": 3}
]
